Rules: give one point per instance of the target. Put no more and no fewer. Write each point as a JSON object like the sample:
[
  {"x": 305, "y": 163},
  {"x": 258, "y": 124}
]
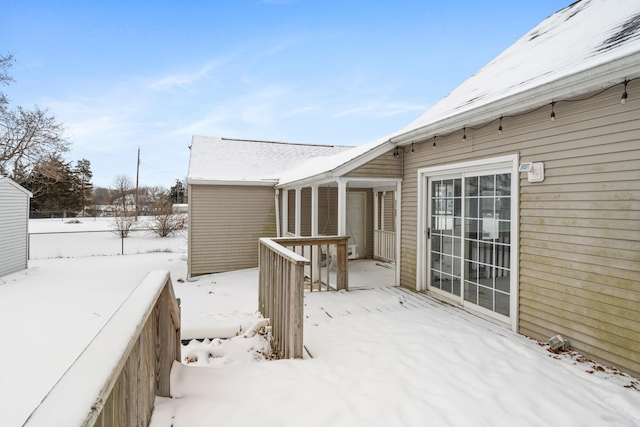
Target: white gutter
[
  {"x": 585, "y": 81},
  {"x": 196, "y": 181},
  {"x": 321, "y": 178}
]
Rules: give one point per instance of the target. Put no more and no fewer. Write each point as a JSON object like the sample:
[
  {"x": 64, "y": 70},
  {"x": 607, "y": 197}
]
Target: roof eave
[
  {"x": 318, "y": 179},
  {"x": 335, "y": 173},
  {"x": 594, "y": 78},
  {"x": 264, "y": 183},
  {"x": 16, "y": 185}
]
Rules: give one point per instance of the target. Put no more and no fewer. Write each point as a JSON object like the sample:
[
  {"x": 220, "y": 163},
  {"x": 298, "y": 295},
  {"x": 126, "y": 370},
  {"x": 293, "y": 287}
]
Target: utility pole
[{"x": 137, "y": 178}]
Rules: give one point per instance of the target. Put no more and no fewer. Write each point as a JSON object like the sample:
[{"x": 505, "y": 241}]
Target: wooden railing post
[
  {"x": 281, "y": 284},
  {"x": 297, "y": 311},
  {"x": 342, "y": 275}
]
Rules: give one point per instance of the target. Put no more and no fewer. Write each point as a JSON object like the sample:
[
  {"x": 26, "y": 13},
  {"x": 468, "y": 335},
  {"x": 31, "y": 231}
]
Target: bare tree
[
  {"x": 165, "y": 221},
  {"x": 26, "y": 136},
  {"x": 147, "y": 197},
  {"x": 124, "y": 205},
  {"x": 5, "y": 78}
]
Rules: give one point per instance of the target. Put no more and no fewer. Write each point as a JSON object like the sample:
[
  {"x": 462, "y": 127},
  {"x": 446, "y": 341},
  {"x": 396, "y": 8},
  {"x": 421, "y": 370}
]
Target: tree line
[
  {"x": 32, "y": 148},
  {"x": 32, "y": 144},
  {"x": 123, "y": 196}
]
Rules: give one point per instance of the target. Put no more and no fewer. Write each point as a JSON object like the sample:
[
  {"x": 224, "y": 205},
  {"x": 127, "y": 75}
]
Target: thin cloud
[
  {"x": 298, "y": 112},
  {"x": 353, "y": 111},
  {"x": 183, "y": 80},
  {"x": 205, "y": 124}
]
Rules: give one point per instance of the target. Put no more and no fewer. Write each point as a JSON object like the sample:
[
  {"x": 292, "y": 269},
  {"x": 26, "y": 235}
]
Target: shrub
[{"x": 165, "y": 221}]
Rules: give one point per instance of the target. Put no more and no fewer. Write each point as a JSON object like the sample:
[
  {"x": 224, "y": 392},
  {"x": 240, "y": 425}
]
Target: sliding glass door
[{"x": 468, "y": 239}]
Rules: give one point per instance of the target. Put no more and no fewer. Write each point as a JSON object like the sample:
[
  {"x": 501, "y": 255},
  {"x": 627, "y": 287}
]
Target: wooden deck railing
[
  {"x": 385, "y": 245},
  {"x": 116, "y": 378},
  {"x": 283, "y": 276}
]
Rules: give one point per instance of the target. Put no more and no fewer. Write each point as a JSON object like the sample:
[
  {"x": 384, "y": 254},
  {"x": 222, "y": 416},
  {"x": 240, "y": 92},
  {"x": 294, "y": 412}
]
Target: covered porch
[{"x": 363, "y": 209}]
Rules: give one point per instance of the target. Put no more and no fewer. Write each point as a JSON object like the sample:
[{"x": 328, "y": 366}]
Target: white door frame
[{"x": 422, "y": 268}]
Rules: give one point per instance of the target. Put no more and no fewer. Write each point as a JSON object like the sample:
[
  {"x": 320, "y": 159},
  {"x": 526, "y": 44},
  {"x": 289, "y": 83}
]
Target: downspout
[{"x": 277, "y": 199}]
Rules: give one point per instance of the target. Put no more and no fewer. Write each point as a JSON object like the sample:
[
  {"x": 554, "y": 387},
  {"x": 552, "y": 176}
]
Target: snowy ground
[
  {"x": 380, "y": 356},
  {"x": 50, "y": 312},
  {"x": 386, "y": 357},
  {"x": 81, "y": 237}
]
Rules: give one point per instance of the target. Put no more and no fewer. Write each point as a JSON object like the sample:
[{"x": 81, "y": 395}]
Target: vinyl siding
[
  {"x": 385, "y": 166},
  {"x": 225, "y": 223},
  {"x": 579, "y": 229},
  {"x": 305, "y": 220},
  {"x": 328, "y": 211},
  {"x": 367, "y": 251},
  {"x": 14, "y": 229},
  {"x": 389, "y": 211}
]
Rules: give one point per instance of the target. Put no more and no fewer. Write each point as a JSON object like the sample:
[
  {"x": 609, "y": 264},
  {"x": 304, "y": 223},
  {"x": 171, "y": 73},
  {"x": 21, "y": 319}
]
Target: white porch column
[
  {"x": 398, "y": 204},
  {"x": 298, "y": 219},
  {"x": 381, "y": 223},
  {"x": 315, "y": 258},
  {"x": 376, "y": 226},
  {"x": 314, "y": 210},
  {"x": 285, "y": 213},
  {"x": 342, "y": 208}
]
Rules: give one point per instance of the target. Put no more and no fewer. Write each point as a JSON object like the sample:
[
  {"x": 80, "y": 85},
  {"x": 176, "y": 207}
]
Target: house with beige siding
[
  {"x": 517, "y": 196},
  {"x": 14, "y": 226},
  {"x": 232, "y": 200}
]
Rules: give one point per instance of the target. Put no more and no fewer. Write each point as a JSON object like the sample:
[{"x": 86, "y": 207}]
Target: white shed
[{"x": 14, "y": 226}]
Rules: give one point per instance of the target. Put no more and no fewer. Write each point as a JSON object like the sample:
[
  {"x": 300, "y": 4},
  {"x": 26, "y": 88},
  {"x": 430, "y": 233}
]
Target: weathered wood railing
[
  {"x": 384, "y": 245},
  {"x": 116, "y": 378},
  {"x": 283, "y": 275}
]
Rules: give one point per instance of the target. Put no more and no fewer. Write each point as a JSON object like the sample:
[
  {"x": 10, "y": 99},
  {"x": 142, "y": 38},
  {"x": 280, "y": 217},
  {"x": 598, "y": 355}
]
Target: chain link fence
[{"x": 75, "y": 244}]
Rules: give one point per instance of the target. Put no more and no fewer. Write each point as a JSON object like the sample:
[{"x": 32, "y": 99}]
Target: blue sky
[{"x": 150, "y": 74}]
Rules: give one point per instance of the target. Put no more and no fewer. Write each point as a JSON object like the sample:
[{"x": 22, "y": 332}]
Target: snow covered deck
[
  {"x": 386, "y": 356},
  {"x": 52, "y": 314},
  {"x": 381, "y": 355},
  {"x": 115, "y": 379}
]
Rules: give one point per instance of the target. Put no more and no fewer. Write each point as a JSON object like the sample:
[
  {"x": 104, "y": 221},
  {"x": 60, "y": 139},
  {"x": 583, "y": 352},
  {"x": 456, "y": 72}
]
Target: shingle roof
[
  {"x": 233, "y": 160},
  {"x": 588, "y": 45}
]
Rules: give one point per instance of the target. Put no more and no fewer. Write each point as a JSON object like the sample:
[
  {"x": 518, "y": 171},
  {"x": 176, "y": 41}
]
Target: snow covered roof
[
  {"x": 588, "y": 45},
  {"x": 329, "y": 166},
  {"x": 221, "y": 160}
]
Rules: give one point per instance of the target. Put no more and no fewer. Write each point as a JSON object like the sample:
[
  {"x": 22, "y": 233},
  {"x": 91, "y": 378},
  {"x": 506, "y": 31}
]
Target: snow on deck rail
[{"x": 115, "y": 379}]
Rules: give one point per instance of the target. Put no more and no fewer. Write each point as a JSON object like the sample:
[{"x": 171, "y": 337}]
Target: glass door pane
[
  {"x": 446, "y": 235},
  {"x": 487, "y": 241}
]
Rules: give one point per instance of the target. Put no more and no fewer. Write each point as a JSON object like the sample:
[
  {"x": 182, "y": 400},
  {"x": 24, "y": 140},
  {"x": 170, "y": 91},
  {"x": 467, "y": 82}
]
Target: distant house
[
  {"x": 520, "y": 190},
  {"x": 232, "y": 201},
  {"x": 14, "y": 226}
]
